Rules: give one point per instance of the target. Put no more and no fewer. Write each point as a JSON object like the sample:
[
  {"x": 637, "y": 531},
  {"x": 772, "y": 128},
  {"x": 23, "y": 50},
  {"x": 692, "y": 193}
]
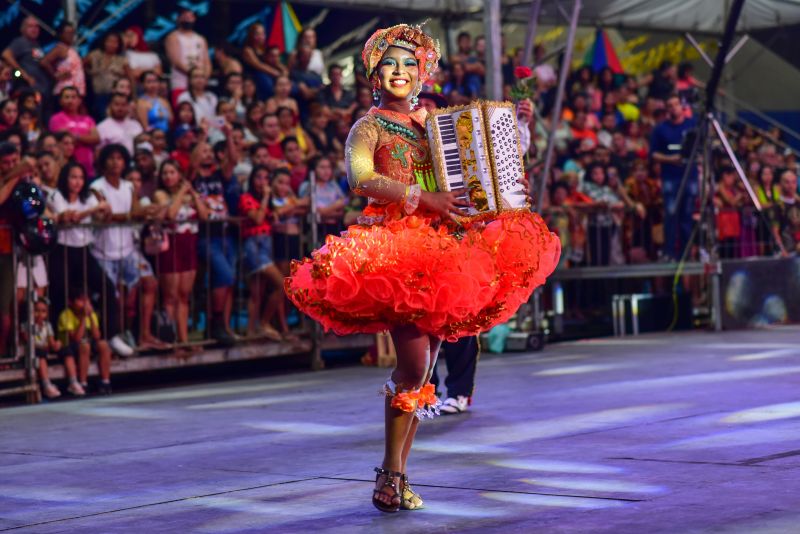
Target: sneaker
[
  {"x": 50, "y": 391},
  {"x": 452, "y": 406},
  {"x": 76, "y": 390},
  {"x": 103, "y": 389},
  {"x": 121, "y": 348}
]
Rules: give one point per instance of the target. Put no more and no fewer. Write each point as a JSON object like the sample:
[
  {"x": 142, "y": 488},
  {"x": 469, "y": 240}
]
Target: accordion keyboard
[{"x": 452, "y": 161}]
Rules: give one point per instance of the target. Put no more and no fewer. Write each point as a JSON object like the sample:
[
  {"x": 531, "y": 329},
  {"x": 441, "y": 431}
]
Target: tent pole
[
  {"x": 692, "y": 41},
  {"x": 556, "y": 116},
  {"x": 530, "y": 34},
  {"x": 494, "y": 77},
  {"x": 71, "y": 11},
  {"x": 735, "y": 50}
]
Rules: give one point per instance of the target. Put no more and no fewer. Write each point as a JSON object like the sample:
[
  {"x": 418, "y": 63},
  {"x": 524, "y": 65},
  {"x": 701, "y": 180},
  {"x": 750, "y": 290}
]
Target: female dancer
[{"x": 409, "y": 267}]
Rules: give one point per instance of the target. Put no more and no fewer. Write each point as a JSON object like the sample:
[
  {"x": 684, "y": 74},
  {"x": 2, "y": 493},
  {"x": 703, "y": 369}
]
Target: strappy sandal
[
  {"x": 411, "y": 499},
  {"x": 388, "y": 483}
]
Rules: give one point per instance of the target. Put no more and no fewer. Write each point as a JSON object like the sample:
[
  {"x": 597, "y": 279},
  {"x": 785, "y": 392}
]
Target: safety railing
[
  {"x": 593, "y": 235},
  {"x": 162, "y": 288}
]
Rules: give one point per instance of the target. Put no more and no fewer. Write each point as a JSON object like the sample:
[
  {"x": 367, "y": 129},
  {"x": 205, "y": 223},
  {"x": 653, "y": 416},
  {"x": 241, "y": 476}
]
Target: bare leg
[
  {"x": 413, "y": 361},
  {"x": 70, "y": 368},
  {"x": 276, "y": 300},
  {"x": 228, "y": 309},
  {"x": 84, "y": 352},
  {"x": 149, "y": 287},
  {"x": 435, "y": 344},
  {"x": 5, "y": 331},
  {"x": 44, "y": 370},
  {"x": 256, "y": 288},
  {"x": 169, "y": 294},
  {"x": 185, "y": 286},
  {"x": 104, "y": 360}
]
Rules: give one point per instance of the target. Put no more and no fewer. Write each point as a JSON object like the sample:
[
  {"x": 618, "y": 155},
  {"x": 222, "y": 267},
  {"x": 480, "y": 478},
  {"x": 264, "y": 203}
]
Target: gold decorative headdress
[{"x": 412, "y": 38}]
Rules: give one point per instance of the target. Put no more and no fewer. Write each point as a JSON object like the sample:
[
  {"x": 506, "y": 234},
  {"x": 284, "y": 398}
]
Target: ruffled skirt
[{"x": 449, "y": 281}]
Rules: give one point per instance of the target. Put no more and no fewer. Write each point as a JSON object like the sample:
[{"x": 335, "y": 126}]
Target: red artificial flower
[{"x": 522, "y": 72}]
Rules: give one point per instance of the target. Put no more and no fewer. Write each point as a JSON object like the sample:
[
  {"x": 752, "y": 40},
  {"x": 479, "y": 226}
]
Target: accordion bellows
[{"x": 450, "y": 281}]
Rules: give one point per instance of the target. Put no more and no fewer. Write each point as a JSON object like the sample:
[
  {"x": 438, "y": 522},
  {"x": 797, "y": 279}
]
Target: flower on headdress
[{"x": 425, "y": 48}]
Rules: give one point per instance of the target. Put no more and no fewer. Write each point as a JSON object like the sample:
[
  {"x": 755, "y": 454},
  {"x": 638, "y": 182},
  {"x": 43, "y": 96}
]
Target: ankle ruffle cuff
[{"x": 423, "y": 401}]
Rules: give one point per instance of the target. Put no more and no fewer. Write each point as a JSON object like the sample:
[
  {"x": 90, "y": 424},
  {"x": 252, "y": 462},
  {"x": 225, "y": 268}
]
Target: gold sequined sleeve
[{"x": 360, "y": 163}]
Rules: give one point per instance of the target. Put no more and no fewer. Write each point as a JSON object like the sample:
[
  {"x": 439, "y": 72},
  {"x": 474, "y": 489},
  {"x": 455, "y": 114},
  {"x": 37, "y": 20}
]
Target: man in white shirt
[
  {"x": 115, "y": 249},
  {"x": 119, "y": 127},
  {"x": 185, "y": 49}
]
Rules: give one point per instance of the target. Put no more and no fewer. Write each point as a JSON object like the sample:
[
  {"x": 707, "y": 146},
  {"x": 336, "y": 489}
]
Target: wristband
[{"x": 411, "y": 198}]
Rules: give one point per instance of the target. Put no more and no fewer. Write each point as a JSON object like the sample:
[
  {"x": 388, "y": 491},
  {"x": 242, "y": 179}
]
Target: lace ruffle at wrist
[{"x": 411, "y": 198}]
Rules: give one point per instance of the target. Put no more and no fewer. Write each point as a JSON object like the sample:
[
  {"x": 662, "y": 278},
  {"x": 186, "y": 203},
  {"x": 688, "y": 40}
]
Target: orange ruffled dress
[{"x": 399, "y": 269}]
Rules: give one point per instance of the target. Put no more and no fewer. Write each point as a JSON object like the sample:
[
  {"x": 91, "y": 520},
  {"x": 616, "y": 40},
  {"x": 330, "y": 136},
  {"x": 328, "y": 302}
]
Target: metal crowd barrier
[
  {"x": 607, "y": 240},
  {"x": 200, "y": 305}
]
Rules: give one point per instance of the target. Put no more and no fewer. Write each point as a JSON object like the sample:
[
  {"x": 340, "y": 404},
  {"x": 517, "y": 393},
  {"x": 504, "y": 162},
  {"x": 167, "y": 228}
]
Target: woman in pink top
[
  {"x": 72, "y": 118},
  {"x": 64, "y": 63}
]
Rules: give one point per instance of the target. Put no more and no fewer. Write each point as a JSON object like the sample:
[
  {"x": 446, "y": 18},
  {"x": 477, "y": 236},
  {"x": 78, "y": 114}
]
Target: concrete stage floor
[{"x": 688, "y": 432}]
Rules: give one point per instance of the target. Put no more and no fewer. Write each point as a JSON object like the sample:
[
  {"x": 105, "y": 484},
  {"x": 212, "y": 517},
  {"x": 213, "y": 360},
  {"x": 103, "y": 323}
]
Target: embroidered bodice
[{"x": 387, "y": 151}]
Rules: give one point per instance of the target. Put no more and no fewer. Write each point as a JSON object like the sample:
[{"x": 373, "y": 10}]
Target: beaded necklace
[{"x": 399, "y": 129}]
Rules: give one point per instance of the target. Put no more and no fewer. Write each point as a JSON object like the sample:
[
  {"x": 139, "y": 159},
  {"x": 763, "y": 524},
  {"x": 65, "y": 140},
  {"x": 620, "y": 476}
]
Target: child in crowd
[
  {"x": 46, "y": 344},
  {"x": 330, "y": 199},
  {"x": 259, "y": 266},
  {"x": 79, "y": 329},
  {"x": 286, "y": 221}
]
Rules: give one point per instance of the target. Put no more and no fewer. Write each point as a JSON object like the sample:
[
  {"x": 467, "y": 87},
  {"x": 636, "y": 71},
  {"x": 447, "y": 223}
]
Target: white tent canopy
[{"x": 701, "y": 16}]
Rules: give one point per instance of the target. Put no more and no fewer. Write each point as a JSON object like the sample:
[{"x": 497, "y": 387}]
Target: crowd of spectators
[{"x": 195, "y": 163}]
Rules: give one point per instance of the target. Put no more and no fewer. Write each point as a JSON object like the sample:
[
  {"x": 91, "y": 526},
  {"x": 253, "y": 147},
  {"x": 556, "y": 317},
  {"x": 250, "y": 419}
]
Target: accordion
[{"x": 477, "y": 148}]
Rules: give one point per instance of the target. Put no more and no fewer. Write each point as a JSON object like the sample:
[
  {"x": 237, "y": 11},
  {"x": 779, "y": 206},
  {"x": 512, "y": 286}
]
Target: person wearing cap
[
  {"x": 185, "y": 138},
  {"x": 144, "y": 162}
]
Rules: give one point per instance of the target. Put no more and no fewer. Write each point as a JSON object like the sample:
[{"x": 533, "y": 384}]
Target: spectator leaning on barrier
[
  {"x": 115, "y": 248},
  {"x": 265, "y": 281},
  {"x": 177, "y": 265},
  {"x": 786, "y": 227},
  {"x": 12, "y": 169},
  {"x": 216, "y": 249},
  {"x": 71, "y": 258}
]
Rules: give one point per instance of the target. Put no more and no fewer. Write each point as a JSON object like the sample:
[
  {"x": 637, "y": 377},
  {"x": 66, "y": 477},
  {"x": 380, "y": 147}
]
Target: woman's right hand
[{"x": 446, "y": 204}]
